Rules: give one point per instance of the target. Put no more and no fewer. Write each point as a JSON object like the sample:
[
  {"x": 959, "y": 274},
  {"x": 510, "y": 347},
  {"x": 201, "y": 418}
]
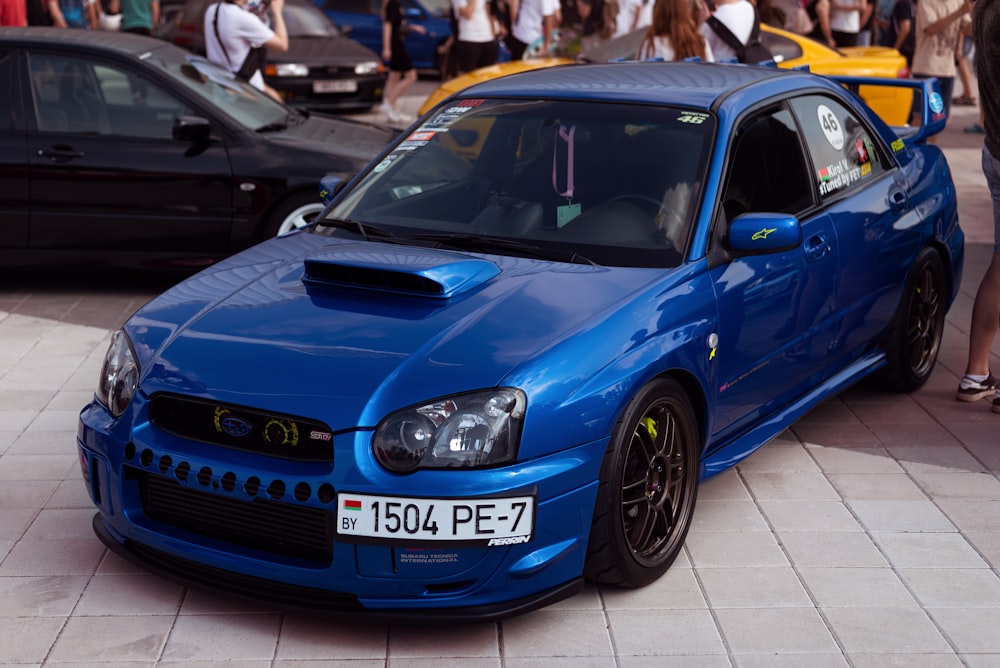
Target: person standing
[
  {"x": 674, "y": 33},
  {"x": 138, "y": 16},
  {"x": 13, "y": 13},
  {"x": 740, "y": 16},
  {"x": 938, "y": 30},
  {"x": 73, "y": 13},
  {"x": 235, "y": 39},
  {"x": 978, "y": 383},
  {"x": 899, "y": 33},
  {"x": 846, "y": 20},
  {"x": 533, "y": 20},
  {"x": 401, "y": 72},
  {"x": 476, "y": 44}
]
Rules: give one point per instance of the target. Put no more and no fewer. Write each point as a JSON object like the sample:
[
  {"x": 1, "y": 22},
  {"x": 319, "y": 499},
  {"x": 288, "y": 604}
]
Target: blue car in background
[
  {"x": 362, "y": 19},
  {"x": 503, "y": 358}
]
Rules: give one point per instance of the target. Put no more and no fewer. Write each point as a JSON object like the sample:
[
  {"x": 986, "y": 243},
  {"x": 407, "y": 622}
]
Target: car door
[
  {"x": 13, "y": 157},
  {"x": 860, "y": 187},
  {"x": 776, "y": 310},
  {"x": 104, "y": 172}
]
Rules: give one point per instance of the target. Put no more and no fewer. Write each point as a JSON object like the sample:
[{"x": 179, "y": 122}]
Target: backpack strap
[{"x": 727, "y": 36}]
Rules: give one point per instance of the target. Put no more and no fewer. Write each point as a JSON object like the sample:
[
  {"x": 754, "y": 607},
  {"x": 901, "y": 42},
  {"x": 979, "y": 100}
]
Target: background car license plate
[
  {"x": 335, "y": 86},
  {"x": 490, "y": 521}
]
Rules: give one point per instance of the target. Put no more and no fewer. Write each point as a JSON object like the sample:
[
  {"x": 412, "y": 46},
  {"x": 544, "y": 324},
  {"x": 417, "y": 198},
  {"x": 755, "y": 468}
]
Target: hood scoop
[{"x": 398, "y": 270}]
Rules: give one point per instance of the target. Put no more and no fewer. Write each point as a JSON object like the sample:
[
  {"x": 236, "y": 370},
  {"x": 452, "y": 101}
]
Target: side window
[
  {"x": 842, "y": 150},
  {"x": 81, "y": 96},
  {"x": 767, "y": 169}
]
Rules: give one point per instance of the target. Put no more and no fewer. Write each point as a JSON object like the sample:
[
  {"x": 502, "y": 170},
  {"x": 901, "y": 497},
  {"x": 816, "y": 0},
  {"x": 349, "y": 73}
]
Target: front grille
[
  {"x": 242, "y": 428},
  {"x": 262, "y": 524}
]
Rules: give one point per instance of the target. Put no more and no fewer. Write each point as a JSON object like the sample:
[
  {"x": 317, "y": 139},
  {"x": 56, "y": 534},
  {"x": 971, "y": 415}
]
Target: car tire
[
  {"x": 914, "y": 338},
  {"x": 292, "y": 214},
  {"x": 647, "y": 489}
]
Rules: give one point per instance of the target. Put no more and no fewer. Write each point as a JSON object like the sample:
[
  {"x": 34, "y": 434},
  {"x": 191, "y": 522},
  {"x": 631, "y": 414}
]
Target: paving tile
[
  {"x": 27, "y": 639},
  {"x": 791, "y": 660},
  {"x": 854, "y": 460},
  {"x": 557, "y": 633},
  {"x": 848, "y": 587},
  {"x": 921, "y": 516},
  {"x": 53, "y": 557},
  {"x": 48, "y": 596},
  {"x": 928, "y": 550},
  {"x": 877, "y": 486},
  {"x": 790, "y": 486},
  {"x": 832, "y": 516},
  {"x": 669, "y": 632},
  {"x": 734, "y": 549},
  {"x": 753, "y": 588},
  {"x": 974, "y": 630},
  {"x": 461, "y": 640},
  {"x": 712, "y": 515},
  {"x": 222, "y": 637},
  {"x": 777, "y": 457},
  {"x": 987, "y": 545},
  {"x": 560, "y": 662},
  {"x": 820, "y": 548},
  {"x": 885, "y": 630},
  {"x": 308, "y": 637},
  {"x": 677, "y": 589},
  {"x": 671, "y": 661},
  {"x": 119, "y": 638},
  {"x": 124, "y": 595},
  {"x": 775, "y": 631},
  {"x": 953, "y": 587},
  {"x": 959, "y": 485},
  {"x": 725, "y": 486},
  {"x": 906, "y": 660}
]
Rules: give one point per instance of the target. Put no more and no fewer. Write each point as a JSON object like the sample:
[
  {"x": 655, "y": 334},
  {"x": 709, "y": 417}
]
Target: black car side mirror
[{"x": 191, "y": 129}]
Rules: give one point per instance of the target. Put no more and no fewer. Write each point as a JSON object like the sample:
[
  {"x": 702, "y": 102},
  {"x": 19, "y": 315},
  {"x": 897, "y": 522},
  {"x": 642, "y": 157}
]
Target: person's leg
[
  {"x": 391, "y": 93},
  {"x": 986, "y": 307}
]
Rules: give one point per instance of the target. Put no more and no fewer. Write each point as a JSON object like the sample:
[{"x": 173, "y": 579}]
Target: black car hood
[
  {"x": 330, "y": 51},
  {"x": 354, "y": 139}
]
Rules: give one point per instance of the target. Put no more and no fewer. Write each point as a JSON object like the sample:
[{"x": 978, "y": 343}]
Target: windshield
[
  {"x": 618, "y": 184},
  {"x": 239, "y": 100},
  {"x": 307, "y": 21}
]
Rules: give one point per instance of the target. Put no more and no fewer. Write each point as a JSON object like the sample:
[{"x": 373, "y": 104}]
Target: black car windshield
[
  {"x": 220, "y": 88},
  {"x": 618, "y": 184},
  {"x": 307, "y": 21}
]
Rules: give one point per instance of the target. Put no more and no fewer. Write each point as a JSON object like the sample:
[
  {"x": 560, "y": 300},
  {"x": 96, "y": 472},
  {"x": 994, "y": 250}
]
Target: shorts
[{"x": 991, "y": 168}]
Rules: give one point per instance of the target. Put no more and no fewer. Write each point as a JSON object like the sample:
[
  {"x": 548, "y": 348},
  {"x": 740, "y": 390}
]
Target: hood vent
[{"x": 399, "y": 270}]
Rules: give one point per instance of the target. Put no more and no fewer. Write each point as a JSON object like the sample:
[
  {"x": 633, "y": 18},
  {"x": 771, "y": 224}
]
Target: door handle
[
  {"x": 59, "y": 153},
  {"x": 816, "y": 247}
]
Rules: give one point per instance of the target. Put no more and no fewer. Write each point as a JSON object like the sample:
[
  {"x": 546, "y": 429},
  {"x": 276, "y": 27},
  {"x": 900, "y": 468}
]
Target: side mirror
[
  {"x": 329, "y": 186},
  {"x": 756, "y": 233},
  {"x": 191, "y": 129}
]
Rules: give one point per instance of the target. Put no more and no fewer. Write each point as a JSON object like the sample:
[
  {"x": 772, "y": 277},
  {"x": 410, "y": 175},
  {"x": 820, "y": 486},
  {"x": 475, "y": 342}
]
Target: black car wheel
[
  {"x": 293, "y": 214},
  {"x": 914, "y": 337},
  {"x": 648, "y": 487}
]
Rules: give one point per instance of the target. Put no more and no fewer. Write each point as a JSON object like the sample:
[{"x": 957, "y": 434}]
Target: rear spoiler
[{"x": 928, "y": 105}]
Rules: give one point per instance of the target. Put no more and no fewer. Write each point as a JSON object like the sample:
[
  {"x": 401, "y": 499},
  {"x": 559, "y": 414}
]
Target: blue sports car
[{"x": 503, "y": 358}]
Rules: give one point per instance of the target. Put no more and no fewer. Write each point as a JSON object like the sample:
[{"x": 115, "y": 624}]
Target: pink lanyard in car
[{"x": 566, "y": 136}]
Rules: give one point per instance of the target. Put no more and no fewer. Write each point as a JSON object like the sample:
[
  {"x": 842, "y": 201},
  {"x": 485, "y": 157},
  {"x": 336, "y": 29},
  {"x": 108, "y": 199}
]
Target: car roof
[
  {"x": 690, "y": 84},
  {"x": 128, "y": 44}
]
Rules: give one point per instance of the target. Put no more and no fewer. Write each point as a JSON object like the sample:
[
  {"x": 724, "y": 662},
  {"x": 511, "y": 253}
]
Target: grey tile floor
[{"x": 866, "y": 535}]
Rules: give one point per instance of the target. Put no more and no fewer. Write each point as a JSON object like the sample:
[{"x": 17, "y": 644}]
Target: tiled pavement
[{"x": 867, "y": 535}]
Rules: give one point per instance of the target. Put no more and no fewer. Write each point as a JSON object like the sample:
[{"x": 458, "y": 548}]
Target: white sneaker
[
  {"x": 398, "y": 117},
  {"x": 385, "y": 109}
]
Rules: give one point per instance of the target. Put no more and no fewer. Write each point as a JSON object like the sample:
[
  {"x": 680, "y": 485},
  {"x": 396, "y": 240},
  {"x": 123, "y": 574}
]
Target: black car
[
  {"x": 128, "y": 151},
  {"x": 322, "y": 69}
]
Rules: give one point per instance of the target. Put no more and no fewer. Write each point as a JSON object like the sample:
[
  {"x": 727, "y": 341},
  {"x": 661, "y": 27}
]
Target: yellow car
[{"x": 789, "y": 50}]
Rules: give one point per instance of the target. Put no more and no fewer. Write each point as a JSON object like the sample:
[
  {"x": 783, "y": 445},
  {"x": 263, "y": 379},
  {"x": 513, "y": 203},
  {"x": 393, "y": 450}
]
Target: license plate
[
  {"x": 494, "y": 521},
  {"x": 336, "y": 86}
]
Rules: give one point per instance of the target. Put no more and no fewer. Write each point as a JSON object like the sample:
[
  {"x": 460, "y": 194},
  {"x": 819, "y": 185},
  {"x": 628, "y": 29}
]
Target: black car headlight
[
  {"x": 119, "y": 375},
  {"x": 471, "y": 430},
  {"x": 286, "y": 70},
  {"x": 367, "y": 68}
]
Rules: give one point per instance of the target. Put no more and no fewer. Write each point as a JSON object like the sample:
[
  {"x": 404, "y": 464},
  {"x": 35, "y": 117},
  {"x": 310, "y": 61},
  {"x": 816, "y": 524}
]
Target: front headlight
[
  {"x": 471, "y": 430},
  {"x": 367, "y": 67},
  {"x": 286, "y": 70},
  {"x": 119, "y": 375}
]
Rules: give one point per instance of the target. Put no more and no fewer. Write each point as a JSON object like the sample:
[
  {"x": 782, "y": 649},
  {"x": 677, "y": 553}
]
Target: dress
[
  {"x": 739, "y": 18},
  {"x": 239, "y": 31},
  {"x": 399, "y": 60}
]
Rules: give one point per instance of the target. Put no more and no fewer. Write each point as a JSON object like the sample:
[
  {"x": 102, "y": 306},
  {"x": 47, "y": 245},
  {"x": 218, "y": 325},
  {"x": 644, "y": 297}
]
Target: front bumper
[{"x": 283, "y": 548}]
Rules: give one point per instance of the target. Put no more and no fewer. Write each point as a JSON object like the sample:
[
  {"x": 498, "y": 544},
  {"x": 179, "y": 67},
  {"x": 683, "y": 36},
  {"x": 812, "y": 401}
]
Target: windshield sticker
[
  {"x": 839, "y": 175},
  {"x": 410, "y": 145},
  {"x": 831, "y": 126},
  {"x": 421, "y": 136},
  {"x": 692, "y": 117},
  {"x": 449, "y": 115},
  {"x": 384, "y": 165}
]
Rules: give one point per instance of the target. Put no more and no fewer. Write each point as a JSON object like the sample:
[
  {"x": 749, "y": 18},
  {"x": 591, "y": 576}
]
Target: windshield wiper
[
  {"x": 367, "y": 230},
  {"x": 479, "y": 243},
  {"x": 276, "y": 126}
]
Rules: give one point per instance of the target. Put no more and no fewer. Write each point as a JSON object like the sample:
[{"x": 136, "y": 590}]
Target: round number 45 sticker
[{"x": 831, "y": 126}]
